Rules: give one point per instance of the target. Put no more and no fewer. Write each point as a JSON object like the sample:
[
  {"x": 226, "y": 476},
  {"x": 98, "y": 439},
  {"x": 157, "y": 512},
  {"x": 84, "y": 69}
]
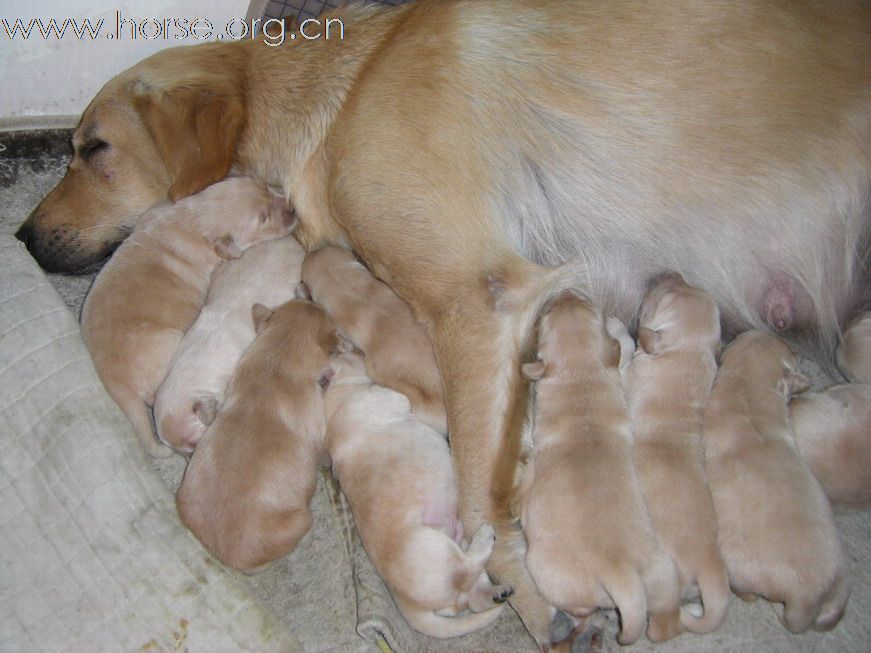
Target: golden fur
[
  {"x": 775, "y": 526},
  {"x": 446, "y": 140},
  {"x": 589, "y": 539},
  {"x": 668, "y": 383},
  {"x": 152, "y": 290},
  {"x": 398, "y": 351},
  {"x": 398, "y": 477},
  {"x": 246, "y": 489},
  {"x": 832, "y": 429}
]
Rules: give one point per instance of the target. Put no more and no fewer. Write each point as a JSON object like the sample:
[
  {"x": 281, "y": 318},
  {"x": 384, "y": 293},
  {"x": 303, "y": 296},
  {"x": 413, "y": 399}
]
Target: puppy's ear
[
  {"x": 226, "y": 248},
  {"x": 303, "y": 292},
  {"x": 260, "y": 314},
  {"x": 206, "y": 409},
  {"x": 286, "y": 208},
  {"x": 195, "y": 131},
  {"x": 648, "y": 340},
  {"x": 794, "y": 383},
  {"x": 326, "y": 377},
  {"x": 533, "y": 371}
]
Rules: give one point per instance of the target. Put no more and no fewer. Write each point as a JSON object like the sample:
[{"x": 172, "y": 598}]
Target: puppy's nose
[{"x": 24, "y": 234}]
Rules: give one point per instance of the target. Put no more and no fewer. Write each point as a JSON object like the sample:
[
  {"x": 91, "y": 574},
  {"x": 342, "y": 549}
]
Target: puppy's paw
[{"x": 501, "y": 593}]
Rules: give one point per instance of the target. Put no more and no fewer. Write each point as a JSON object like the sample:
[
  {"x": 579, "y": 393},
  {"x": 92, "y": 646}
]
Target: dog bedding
[{"x": 93, "y": 556}]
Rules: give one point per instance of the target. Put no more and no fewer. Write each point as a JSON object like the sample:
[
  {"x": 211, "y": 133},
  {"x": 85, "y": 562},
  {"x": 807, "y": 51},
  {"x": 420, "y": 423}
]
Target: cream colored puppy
[
  {"x": 668, "y": 383},
  {"x": 203, "y": 363},
  {"x": 590, "y": 540},
  {"x": 247, "y": 487},
  {"x": 833, "y": 432},
  {"x": 854, "y": 351},
  {"x": 775, "y": 526},
  {"x": 153, "y": 287},
  {"x": 398, "y": 477},
  {"x": 399, "y": 354}
]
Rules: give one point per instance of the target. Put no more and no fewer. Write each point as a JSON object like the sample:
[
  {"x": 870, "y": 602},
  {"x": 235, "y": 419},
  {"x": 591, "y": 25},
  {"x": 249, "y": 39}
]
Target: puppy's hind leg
[{"x": 482, "y": 593}]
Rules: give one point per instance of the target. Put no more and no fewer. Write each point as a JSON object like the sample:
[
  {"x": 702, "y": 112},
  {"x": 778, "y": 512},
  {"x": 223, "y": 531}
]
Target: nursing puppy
[
  {"x": 398, "y": 477},
  {"x": 833, "y": 432},
  {"x": 247, "y": 487},
  {"x": 201, "y": 367},
  {"x": 668, "y": 383},
  {"x": 398, "y": 350},
  {"x": 775, "y": 526},
  {"x": 590, "y": 541},
  {"x": 155, "y": 284},
  {"x": 854, "y": 350}
]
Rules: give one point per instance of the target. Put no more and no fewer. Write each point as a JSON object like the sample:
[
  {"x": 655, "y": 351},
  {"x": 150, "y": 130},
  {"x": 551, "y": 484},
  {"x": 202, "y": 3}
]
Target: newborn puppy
[
  {"x": 153, "y": 287},
  {"x": 201, "y": 368},
  {"x": 668, "y": 383},
  {"x": 398, "y": 477},
  {"x": 775, "y": 526},
  {"x": 247, "y": 487},
  {"x": 590, "y": 540},
  {"x": 833, "y": 432},
  {"x": 854, "y": 352},
  {"x": 398, "y": 350}
]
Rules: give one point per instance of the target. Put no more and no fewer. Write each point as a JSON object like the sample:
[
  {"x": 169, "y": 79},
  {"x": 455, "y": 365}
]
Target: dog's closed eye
[{"x": 91, "y": 148}]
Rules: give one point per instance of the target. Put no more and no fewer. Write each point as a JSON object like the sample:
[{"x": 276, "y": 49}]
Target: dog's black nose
[{"x": 24, "y": 234}]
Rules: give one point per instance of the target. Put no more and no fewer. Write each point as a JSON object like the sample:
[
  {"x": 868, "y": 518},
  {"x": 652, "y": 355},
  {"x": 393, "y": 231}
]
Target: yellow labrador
[
  {"x": 153, "y": 288},
  {"x": 833, "y": 432},
  {"x": 668, "y": 383},
  {"x": 246, "y": 489},
  {"x": 398, "y": 477},
  {"x": 398, "y": 351},
  {"x": 210, "y": 349},
  {"x": 775, "y": 526},
  {"x": 590, "y": 543},
  {"x": 447, "y": 139}
]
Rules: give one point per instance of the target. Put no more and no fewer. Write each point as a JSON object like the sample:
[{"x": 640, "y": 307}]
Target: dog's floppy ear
[
  {"x": 648, "y": 340},
  {"x": 533, "y": 371},
  {"x": 206, "y": 409},
  {"x": 794, "y": 383},
  {"x": 195, "y": 132},
  {"x": 226, "y": 248},
  {"x": 260, "y": 314}
]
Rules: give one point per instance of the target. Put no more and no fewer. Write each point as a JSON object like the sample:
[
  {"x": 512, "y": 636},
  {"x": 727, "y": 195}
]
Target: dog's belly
[{"x": 625, "y": 152}]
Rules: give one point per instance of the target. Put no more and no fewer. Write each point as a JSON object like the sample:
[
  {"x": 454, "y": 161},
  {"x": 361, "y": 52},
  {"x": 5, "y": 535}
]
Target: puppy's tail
[
  {"x": 714, "y": 587},
  {"x": 435, "y": 625},
  {"x": 140, "y": 417},
  {"x": 630, "y": 597}
]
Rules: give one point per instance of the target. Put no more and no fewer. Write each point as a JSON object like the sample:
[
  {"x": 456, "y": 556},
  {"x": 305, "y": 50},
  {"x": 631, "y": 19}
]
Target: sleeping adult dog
[{"x": 461, "y": 146}]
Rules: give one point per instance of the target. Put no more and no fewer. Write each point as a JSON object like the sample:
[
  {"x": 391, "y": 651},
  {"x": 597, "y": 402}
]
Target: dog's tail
[
  {"x": 435, "y": 625},
  {"x": 630, "y": 597},
  {"x": 524, "y": 290},
  {"x": 140, "y": 417},
  {"x": 714, "y": 587}
]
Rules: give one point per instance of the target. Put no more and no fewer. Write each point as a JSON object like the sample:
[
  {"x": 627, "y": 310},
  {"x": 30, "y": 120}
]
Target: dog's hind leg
[{"x": 476, "y": 341}]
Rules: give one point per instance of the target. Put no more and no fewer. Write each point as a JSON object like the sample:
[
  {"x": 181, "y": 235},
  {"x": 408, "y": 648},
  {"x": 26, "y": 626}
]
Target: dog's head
[
  {"x": 167, "y": 127},
  {"x": 571, "y": 338},
  {"x": 675, "y": 315},
  {"x": 765, "y": 357}
]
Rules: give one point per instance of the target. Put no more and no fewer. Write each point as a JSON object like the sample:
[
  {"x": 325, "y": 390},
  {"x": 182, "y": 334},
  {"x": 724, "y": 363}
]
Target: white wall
[{"x": 58, "y": 77}]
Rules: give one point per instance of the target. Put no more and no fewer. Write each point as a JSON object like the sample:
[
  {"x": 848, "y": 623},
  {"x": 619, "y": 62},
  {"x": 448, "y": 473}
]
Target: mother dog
[{"x": 462, "y": 146}]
